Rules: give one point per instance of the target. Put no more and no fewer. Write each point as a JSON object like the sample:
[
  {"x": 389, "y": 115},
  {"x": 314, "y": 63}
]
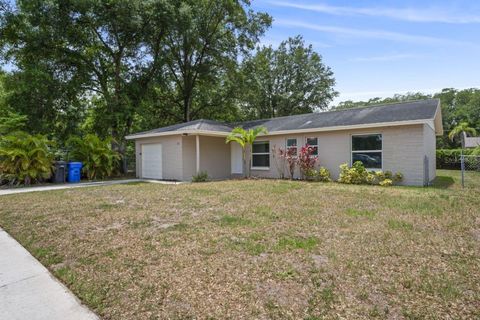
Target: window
[
  {"x": 292, "y": 145},
  {"x": 261, "y": 154},
  {"x": 313, "y": 143},
  {"x": 368, "y": 150}
]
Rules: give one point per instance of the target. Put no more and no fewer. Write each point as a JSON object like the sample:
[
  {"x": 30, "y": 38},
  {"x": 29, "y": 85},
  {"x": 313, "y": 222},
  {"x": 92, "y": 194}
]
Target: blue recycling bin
[{"x": 74, "y": 172}]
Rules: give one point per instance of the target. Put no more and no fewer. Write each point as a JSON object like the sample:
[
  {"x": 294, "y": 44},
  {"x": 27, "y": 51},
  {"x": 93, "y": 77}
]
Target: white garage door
[{"x": 152, "y": 161}]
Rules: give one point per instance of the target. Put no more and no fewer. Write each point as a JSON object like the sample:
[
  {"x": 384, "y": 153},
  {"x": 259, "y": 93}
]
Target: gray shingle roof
[
  {"x": 405, "y": 111},
  {"x": 201, "y": 124}
]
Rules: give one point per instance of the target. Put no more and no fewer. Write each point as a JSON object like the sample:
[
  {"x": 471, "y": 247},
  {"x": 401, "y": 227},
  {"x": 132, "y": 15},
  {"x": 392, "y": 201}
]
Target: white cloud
[
  {"x": 387, "y": 57},
  {"x": 441, "y": 15},
  {"x": 372, "y": 33}
]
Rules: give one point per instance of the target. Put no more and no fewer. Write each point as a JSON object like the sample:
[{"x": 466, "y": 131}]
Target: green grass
[
  {"x": 294, "y": 243},
  {"x": 360, "y": 213},
  {"x": 233, "y": 221},
  {"x": 259, "y": 248},
  {"x": 399, "y": 225}
]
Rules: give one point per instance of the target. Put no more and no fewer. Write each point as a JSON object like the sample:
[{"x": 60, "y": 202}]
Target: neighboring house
[
  {"x": 398, "y": 137},
  {"x": 470, "y": 142}
]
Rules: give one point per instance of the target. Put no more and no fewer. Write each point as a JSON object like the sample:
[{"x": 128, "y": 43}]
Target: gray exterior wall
[
  {"x": 214, "y": 157},
  {"x": 171, "y": 155},
  {"x": 403, "y": 151},
  {"x": 189, "y": 157},
  {"x": 179, "y": 156}
]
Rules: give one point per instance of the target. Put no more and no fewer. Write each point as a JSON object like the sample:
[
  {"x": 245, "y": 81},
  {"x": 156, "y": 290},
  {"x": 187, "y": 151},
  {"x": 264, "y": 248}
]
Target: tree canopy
[
  {"x": 115, "y": 67},
  {"x": 291, "y": 79}
]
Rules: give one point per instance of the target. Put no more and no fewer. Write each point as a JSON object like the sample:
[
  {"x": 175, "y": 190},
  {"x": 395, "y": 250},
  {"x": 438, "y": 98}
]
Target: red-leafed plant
[
  {"x": 306, "y": 160},
  {"x": 279, "y": 159},
  {"x": 291, "y": 158}
]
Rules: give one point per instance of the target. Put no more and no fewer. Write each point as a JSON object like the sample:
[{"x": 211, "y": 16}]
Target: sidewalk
[
  {"x": 79, "y": 185},
  {"x": 29, "y": 291}
]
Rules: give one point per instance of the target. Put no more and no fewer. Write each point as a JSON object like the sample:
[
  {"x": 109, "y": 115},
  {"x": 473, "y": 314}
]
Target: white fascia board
[
  {"x": 349, "y": 127},
  {"x": 176, "y": 133},
  {"x": 280, "y": 132}
]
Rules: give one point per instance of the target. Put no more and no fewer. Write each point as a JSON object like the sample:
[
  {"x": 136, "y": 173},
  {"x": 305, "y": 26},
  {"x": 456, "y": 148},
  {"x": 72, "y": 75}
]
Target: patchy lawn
[{"x": 258, "y": 249}]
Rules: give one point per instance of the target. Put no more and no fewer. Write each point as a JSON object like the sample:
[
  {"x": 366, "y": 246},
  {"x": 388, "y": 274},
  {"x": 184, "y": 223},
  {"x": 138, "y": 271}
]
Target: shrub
[
  {"x": 386, "y": 183},
  {"x": 279, "y": 160},
  {"x": 99, "y": 160},
  {"x": 357, "y": 174},
  {"x": 450, "y": 158},
  {"x": 202, "y": 176},
  {"x": 25, "y": 158},
  {"x": 322, "y": 175},
  {"x": 306, "y": 160},
  {"x": 291, "y": 160}
]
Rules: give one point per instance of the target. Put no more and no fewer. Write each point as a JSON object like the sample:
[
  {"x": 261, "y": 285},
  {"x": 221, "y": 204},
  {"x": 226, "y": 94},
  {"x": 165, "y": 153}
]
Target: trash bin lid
[{"x": 75, "y": 164}]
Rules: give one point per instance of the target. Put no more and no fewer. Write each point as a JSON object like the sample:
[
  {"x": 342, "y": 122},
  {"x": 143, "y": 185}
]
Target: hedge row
[{"x": 450, "y": 158}]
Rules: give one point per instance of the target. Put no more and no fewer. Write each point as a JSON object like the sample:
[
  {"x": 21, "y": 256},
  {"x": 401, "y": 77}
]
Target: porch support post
[{"x": 197, "y": 139}]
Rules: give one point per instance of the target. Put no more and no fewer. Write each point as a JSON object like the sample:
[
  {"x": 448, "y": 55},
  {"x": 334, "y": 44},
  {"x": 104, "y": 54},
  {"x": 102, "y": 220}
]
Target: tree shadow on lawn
[{"x": 443, "y": 182}]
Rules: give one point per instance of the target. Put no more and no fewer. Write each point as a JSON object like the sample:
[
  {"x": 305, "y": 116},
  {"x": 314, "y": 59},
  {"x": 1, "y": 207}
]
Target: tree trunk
[
  {"x": 248, "y": 160},
  {"x": 186, "y": 109}
]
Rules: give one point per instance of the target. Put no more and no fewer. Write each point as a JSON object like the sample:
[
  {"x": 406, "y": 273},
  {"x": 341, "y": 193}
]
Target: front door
[{"x": 236, "y": 158}]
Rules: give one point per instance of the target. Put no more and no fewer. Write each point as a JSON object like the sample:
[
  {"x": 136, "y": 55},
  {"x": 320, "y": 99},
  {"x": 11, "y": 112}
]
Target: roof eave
[
  {"x": 280, "y": 132},
  {"x": 175, "y": 133},
  {"x": 351, "y": 127}
]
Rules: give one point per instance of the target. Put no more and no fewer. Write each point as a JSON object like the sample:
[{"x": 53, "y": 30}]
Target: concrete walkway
[
  {"x": 29, "y": 291},
  {"x": 79, "y": 185}
]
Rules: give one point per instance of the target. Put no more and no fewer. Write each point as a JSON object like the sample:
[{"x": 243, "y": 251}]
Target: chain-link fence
[{"x": 470, "y": 166}]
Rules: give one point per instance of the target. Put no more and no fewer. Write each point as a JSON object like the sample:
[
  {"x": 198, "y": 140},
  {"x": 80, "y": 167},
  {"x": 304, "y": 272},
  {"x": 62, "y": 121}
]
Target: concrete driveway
[{"x": 79, "y": 185}]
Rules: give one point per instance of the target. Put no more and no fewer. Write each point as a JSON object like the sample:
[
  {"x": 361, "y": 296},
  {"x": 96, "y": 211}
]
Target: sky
[{"x": 379, "y": 48}]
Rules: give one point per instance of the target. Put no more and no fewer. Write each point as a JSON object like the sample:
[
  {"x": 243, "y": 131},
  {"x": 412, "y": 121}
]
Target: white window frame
[
  {"x": 260, "y": 153},
  {"x": 293, "y": 147},
  {"x": 364, "y": 151},
  {"x": 312, "y": 145}
]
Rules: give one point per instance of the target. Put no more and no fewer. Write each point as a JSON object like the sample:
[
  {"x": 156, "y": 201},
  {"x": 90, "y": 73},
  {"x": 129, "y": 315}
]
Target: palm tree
[
  {"x": 99, "y": 160},
  {"x": 245, "y": 139},
  {"x": 461, "y": 128},
  {"x": 25, "y": 158}
]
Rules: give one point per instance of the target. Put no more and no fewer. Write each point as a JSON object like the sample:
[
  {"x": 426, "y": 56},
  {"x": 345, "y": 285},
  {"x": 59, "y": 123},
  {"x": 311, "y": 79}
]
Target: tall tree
[
  {"x": 291, "y": 79},
  {"x": 111, "y": 49},
  {"x": 202, "y": 48}
]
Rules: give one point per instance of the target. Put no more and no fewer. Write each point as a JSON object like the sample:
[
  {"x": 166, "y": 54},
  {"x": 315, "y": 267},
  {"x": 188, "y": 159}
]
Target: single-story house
[{"x": 399, "y": 137}]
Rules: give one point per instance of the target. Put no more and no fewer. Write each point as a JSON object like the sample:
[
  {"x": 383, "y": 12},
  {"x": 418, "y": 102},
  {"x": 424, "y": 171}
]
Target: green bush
[
  {"x": 450, "y": 158},
  {"x": 202, "y": 176},
  {"x": 322, "y": 175},
  {"x": 386, "y": 183},
  {"x": 25, "y": 158},
  {"x": 97, "y": 156},
  {"x": 357, "y": 174}
]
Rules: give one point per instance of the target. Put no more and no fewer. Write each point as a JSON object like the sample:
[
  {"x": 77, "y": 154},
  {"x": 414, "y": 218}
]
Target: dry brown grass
[{"x": 258, "y": 249}]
